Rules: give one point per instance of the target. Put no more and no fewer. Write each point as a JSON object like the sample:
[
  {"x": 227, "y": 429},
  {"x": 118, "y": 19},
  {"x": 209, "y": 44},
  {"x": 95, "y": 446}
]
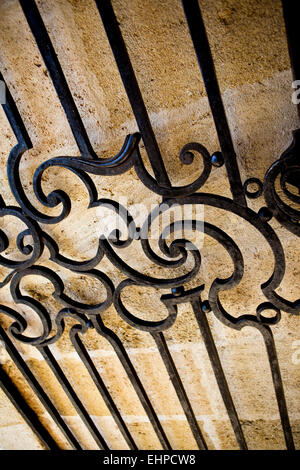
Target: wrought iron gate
[{"x": 286, "y": 168}]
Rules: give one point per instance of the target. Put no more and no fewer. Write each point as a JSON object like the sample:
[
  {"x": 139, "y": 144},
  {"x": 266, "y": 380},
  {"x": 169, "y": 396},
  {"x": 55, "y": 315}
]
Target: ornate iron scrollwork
[
  {"x": 287, "y": 168},
  {"x": 173, "y": 255}
]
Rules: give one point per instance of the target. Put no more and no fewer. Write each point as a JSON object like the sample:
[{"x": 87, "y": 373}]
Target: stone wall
[{"x": 250, "y": 52}]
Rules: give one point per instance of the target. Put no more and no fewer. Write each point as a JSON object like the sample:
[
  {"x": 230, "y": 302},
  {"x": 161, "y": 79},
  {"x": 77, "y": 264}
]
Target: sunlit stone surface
[{"x": 250, "y": 52}]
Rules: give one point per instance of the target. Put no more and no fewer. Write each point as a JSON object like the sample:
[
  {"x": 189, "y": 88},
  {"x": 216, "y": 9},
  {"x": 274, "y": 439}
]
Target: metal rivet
[
  {"x": 265, "y": 214},
  {"x": 205, "y": 306},
  {"x": 177, "y": 291},
  {"x": 217, "y": 159}
]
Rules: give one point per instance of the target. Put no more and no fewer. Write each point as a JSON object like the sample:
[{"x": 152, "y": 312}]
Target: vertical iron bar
[
  {"x": 219, "y": 373},
  {"x": 179, "y": 388},
  {"x": 38, "y": 389},
  {"x": 25, "y": 410},
  {"x": 70, "y": 392},
  {"x": 278, "y": 386},
  {"x": 118, "y": 347},
  {"x": 87, "y": 361},
  {"x": 15, "y": 119},
  {"x": 126, "y": 71},
  {"x": 291, "y": 18},
  {"x": 205, "y": 60},
  {"x": 51, "y": 61}
]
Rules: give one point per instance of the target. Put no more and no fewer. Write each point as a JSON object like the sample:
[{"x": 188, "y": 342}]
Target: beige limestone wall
[{"x": 250, "y": 52}]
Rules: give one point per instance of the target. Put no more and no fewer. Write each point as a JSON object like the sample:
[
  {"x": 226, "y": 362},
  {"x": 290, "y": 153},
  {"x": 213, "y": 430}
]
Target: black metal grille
[{"x": 89, "y": 316}]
